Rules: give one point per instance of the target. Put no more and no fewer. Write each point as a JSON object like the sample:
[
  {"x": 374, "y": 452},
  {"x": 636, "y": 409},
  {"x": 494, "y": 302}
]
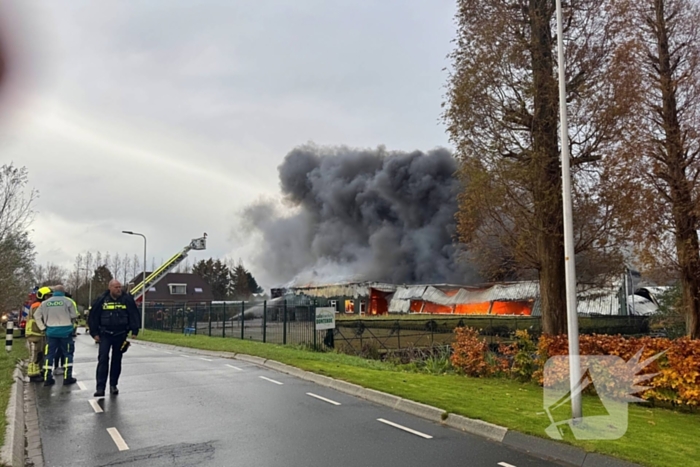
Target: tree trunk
[
  {"x": 547, "y": 195},
  {"x": 683, "y": 208}
]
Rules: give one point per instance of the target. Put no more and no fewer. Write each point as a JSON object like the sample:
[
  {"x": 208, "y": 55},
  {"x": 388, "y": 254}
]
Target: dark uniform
[{"x": 111, "y": 319}]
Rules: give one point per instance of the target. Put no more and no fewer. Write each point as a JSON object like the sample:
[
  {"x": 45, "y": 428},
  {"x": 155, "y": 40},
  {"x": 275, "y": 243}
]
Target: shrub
[{"x": 471, "y": 354}]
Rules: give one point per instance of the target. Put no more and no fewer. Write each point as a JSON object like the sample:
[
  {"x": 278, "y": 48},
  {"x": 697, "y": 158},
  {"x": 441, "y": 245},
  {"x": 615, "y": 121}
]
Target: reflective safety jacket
[
  {"x": 57, "y": 315},
  {"x": 32, "y": 329}
]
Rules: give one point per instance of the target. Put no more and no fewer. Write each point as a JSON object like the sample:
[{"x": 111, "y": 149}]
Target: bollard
[{"x": 8, "y": 335}]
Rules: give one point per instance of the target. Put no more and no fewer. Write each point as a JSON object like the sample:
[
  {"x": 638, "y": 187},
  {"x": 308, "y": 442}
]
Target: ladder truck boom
[{"x": 153, "y": 278}]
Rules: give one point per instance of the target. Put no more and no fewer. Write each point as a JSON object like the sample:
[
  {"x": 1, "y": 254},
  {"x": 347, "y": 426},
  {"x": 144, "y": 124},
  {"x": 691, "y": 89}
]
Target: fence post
[
  {"x": 242, "y": 319},
  {"x": 209, "y": 319},
  {"x": 284, "y": 325},
  {"x": 223, "y": 318},
  {"x": 313, "y": 323},
  {"x": 398, "y": 333},
  {"x": 264, "y": 320}
]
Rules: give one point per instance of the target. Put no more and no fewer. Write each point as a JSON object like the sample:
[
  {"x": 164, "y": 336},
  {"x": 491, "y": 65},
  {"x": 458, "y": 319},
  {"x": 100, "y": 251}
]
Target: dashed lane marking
[
  {"x": 95, "y": 406},
  {"x": 404, "y": 428},
  {"x": 117, "y": 438},
  {"x": 271, "y": 380},
  {"x": 322, "y": 398},
  {"x": 234, "y": 367}
]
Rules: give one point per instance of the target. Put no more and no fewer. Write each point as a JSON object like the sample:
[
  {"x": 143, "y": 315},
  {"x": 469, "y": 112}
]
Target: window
[
  {"x": 363, "y": 307},
  {"x": 178, "y": 289},
  {"x": 152, "y": 289},
  {"x": 349, "y": 306},
  {"x": 334, "y": 304},
  {"x": 197, "y": 290}
]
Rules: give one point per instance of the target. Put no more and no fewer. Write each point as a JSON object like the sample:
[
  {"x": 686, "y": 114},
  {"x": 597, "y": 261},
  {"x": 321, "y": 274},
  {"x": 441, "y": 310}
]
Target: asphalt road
[{"x": 180, "y": 409}]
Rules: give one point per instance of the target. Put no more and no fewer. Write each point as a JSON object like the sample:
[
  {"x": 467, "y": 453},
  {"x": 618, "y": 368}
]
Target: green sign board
[{"x": 325, "y": 318}]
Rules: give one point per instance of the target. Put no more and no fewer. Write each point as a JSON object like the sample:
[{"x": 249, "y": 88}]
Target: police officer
[{"x": 111, "y": 318}]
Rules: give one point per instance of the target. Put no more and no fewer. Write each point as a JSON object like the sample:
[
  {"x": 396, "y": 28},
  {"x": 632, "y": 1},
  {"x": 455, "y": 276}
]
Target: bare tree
[
  {"x": 16, "y": 250},
  {"x": 116, "y": 266},
  {"x": 50, "y": 274}
]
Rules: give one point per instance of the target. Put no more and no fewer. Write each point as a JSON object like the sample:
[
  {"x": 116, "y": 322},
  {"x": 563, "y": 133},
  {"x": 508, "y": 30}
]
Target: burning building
[{"x": 510, "y": 299}]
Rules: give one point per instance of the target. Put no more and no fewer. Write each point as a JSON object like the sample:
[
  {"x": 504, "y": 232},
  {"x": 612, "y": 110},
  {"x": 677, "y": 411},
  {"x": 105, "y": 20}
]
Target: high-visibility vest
[{"x": 31, "y": 328}]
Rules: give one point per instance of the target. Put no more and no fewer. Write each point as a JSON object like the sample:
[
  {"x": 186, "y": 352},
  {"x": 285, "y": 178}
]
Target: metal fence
[
  {"x": 292, "y": 322},
  {"x": 281, "y": 323}
]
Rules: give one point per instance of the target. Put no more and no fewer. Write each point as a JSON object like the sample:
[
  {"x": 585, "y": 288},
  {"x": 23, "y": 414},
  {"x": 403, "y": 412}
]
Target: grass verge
[
  {"x": 655, "y": 437},
  {"x": 8, "y": 362}
]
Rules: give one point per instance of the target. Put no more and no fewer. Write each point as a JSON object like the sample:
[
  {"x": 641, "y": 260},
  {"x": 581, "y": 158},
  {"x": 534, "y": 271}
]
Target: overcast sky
[{"x": 168, "y": 117}]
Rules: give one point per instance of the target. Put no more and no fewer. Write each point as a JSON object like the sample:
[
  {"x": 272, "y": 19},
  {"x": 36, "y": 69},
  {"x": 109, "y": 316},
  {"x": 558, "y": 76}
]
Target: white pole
[{"x": 569, "y": 261}]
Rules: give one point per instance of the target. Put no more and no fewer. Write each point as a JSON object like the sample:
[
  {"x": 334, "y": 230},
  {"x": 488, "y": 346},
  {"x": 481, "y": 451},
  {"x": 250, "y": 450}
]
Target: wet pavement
[{"x": 181, "y": 409}]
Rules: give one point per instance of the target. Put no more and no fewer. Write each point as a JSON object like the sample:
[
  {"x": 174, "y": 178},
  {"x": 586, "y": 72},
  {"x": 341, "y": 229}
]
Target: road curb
[
  {"x": 250, "y": 359},
  {"x": 35, "y": 456},
  {"x": 540, "y": 447},
  {"x": 12, "y": 452}
]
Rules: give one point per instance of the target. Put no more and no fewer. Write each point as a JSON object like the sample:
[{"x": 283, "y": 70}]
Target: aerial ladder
[{"x": 153, "y": 278}]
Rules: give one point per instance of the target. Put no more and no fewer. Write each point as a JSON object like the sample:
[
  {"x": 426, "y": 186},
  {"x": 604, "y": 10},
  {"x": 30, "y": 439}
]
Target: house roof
[{"x": 197, "y": 289}]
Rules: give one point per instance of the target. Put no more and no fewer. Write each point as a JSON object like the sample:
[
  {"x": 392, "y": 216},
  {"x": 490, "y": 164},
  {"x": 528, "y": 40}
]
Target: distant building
[{"x": 178, "y": 287}]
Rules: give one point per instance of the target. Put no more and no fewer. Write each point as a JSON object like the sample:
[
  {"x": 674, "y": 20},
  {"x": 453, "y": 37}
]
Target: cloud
[{"x": 171, "y": 116}]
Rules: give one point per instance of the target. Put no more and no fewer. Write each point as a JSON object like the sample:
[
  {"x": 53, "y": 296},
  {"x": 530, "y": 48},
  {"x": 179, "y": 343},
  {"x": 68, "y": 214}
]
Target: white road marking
[
  {"x": 401, "y": 427},
  {"x": 169, "y": 353},
  {"x": 95, "y": 406},
  {"x": 271, "y": 380},
  {"x": 82, "y": 386},
  {"x": 117, "y": 438},
  {"x": 205, "y": 359},
  {"x": 187, "y": 356},
  {"x": 505, "y": 464},
  {"x": 234, "y": 367},
  {"x": 322, "y": 398}
]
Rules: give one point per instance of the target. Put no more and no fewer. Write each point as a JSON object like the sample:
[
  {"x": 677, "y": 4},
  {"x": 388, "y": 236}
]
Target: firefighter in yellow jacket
[{"x": 36, "y": 339}]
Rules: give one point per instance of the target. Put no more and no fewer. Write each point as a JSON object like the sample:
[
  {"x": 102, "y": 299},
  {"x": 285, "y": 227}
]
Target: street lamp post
[
  {"x": 89, "y": 287},
  {"x": 143, "y": 294},
  {"x": 569, "y": 262}
]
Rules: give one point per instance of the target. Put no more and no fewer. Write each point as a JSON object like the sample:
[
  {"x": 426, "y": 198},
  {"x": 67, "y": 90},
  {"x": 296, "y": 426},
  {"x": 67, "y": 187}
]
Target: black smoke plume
[{"x": 361, "y": 215}]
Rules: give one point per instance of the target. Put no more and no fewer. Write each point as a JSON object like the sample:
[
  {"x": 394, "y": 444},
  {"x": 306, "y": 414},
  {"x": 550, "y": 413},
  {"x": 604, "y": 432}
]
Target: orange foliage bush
[
  {"x": 677, "y": 381},
  {"x": 471, "y": 354}
]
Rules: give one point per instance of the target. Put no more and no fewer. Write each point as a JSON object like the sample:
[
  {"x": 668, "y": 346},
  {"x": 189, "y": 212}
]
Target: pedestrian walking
[{"x": 112, "y": 316}]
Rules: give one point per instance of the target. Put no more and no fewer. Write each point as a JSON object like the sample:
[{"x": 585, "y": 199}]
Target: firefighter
[
  {"x": 35, "y": 337},
  {"x": 57, "y": 316},
  {"x": 112, "y": 316}
]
